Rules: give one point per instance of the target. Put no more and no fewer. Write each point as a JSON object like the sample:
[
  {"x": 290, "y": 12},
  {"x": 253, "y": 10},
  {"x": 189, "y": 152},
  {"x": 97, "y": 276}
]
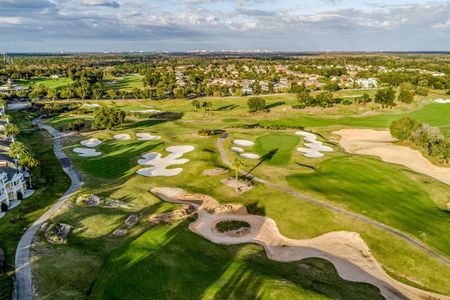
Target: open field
[
  {"x": 126, "y": 82},
  {"x": 171, "y": 262},
  {"x": 48, "y": 82},
  {"x": 387, "y": 193}
]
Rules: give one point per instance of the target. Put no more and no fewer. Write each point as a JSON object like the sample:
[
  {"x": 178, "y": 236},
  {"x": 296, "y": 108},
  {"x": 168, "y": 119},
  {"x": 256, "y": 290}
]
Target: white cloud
[
  {"x": 444, "y": 25},
  {"x": 11, "y": 20}
]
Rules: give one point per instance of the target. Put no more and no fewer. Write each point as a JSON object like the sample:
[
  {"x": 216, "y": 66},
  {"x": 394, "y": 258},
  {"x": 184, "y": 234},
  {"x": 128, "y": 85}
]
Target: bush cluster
[{"x": 428, "y": 138}]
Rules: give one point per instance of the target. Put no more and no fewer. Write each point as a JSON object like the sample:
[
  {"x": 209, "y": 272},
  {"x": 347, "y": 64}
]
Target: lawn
[
  {"x": 276, "y": 149},
  {"x": 127, "y": 82},
  {"x": 120, "y": 158},
  {"x": 385, "y": 193},
  {"x": 50, "y": 183},
  {"x": 112, "y": 175},
  {"x": 48, "y": 82},
  {"x": 170, "y": 262}
]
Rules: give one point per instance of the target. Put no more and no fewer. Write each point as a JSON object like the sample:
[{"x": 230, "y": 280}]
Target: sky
[{"x": 188, "y": 25}]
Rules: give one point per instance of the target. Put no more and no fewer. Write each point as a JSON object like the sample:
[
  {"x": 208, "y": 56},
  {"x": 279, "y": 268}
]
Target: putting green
[
  {"x": 276, "y": 149},
  {"x": 169, "y": 262}
]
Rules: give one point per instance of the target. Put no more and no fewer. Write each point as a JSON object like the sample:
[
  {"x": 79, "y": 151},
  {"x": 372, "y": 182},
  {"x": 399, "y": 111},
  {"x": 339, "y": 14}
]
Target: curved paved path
[
  {"x": 292, "y": 192},
  {"x": 23, "y": 289}
]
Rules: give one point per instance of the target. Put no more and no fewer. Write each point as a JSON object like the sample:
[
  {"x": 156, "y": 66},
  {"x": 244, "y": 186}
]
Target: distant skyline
[{"x": 187, "y": 25}]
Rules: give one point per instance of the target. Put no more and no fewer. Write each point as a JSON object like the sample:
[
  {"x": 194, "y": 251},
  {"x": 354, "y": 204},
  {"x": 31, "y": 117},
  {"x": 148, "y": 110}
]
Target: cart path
[
  {"x": 23, "y": 288},
  {"x": 296, "y": 194}
]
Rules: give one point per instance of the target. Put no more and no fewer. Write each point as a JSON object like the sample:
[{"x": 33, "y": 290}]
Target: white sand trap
[
  {"x": 442, "y": 101},
  {"x": 380, "y": 143},
  {"x": 122, "y": 137},
  {"x": 87, "y": 152},
  {"x": 243, "y": 143},
  {"x": 249, "y": 155},
  {"x": 346, "y": 250},
  {"x": 147, "y": 137},
  {"x": 308, "y": 152},
  {"x": 91, "y": 142},
  {"x": 146, "y": 111},
  {"x": 91, "y": 105},
  {"x": 306, "y": 134},
  {"x": 237, "y": 149},
  {"x": 319, "y": 147},
  {"x": 180, "y": 149},
  {"x": 158, "y": 164}
]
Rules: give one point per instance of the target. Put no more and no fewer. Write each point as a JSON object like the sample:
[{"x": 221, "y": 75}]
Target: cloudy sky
[{"x": 184, "y": 25}]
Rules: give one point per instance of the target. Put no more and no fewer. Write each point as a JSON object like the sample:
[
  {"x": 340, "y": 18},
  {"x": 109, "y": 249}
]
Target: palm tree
[
  {"x": 11, "y": 130},
  {"x": 237, "y": 165}
]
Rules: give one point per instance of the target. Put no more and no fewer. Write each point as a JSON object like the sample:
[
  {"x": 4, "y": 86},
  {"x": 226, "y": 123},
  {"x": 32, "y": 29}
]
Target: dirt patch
[
  {"x": 239, "y": 186},
  {"x": 214, "y": 172}
]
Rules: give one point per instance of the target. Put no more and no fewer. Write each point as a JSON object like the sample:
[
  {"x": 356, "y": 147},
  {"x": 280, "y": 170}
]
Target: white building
[
  {"x": 367, "y": 83},
  {"x": 13, "y": 186}
]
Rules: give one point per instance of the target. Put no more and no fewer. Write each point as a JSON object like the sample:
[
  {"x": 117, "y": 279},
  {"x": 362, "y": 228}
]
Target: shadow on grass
[
  {"x": 306, "y": 166},
  {"x": 255, "y": 209},
  {"x": 268, "y": 156},
  {"x": 275, "y": 104},
  {"x": 227, "y": 107}
]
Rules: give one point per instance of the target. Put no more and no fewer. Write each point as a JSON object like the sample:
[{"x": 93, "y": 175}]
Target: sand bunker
[
  {"x": 147, "y": 137},
  {"x": 158, "y": 164},
  {"x": 346, "y": 250},
  {"x": 86, "y": 152},
  {"x": 243, "y": 143},
  {"x": 442, "y": 101},
  {"x": 122, "y": 137},
  {"x": 146, "y": 111},
  {"x": 380, "y": 143},
  {"x": 237, "y": 149},
  {"x": 314, "y": 147},
  {"x": 249, "y": 155},
  {"x": 91, "y": 142},
  {"x": 91, "y": 105}
]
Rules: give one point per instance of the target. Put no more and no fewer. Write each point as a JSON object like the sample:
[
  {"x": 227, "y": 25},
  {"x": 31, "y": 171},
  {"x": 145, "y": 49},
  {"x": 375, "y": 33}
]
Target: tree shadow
[
  {"x": 306, "y": 166},
  {"x": 275, "y": 104},
  {"x": 227, "y": 107},
  {"x": 268, "y": 156},
  {"x": 255, "y": 209}
]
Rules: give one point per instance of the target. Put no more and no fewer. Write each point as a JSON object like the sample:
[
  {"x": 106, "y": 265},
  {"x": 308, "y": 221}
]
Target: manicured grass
[
  {"x": 433, "y": 114},
  {"x": 48, "y": 82},
  {"x": 50, "y": 183},
  {"x": 276, "y": 149},
  {"x": 119, "y": 158},
  {"x": 91, "y": 235},
  {"x": 173, "y": 263},
  {"x": 127, "y": 82},
  {"x": 382, "y": 192}
]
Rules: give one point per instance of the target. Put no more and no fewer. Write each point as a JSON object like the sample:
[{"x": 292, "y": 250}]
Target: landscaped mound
[
  {"x": 159, "y": 164},
  {"x": 57, "y": 233},
  {"x": 232, "y": 225}
]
